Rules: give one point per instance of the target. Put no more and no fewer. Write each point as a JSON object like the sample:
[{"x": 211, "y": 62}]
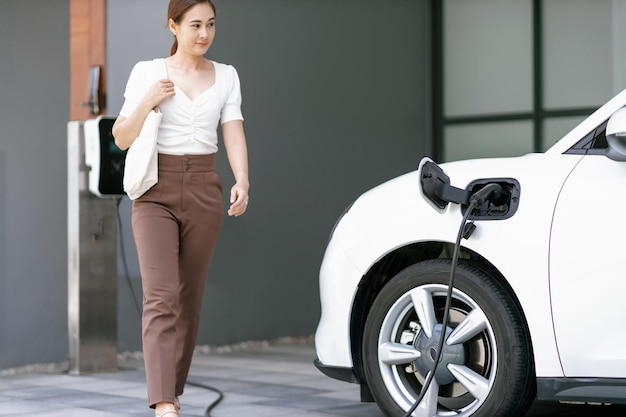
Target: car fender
[{"x": 395, "y": 214}]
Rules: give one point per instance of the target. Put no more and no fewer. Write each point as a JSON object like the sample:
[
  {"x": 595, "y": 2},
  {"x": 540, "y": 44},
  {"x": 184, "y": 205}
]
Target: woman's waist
[
  {"x": 186, "y": 162},
  {"x": 186, "y": 145}
]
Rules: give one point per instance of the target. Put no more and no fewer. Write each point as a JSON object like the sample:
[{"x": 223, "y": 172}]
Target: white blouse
[{"x": 188, "y": 126}]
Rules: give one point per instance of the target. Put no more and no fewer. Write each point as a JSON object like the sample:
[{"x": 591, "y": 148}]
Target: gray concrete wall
[
  {"x": 34, "y": 97},
  {"x": 336, "y": 100}
]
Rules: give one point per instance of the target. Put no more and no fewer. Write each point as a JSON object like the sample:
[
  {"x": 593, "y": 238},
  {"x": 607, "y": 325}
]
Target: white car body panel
[
  {"x": 588, "y": 276},
  {"x": 403, "y": 218},
  {"x": 560, "y": 252},
  {"x": 336, "y": 292}
]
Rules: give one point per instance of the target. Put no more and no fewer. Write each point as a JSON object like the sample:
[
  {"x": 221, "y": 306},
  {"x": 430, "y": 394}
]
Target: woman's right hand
[
  {"x": 159, "y": 91},
  {"x": 126, "y": 130}
]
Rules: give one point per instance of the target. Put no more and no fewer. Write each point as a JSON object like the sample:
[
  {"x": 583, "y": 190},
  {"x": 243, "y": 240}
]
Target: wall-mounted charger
[{"x": 104, "y": 159}]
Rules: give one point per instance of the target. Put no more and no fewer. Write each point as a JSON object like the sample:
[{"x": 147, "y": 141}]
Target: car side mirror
[{"x": 616, "y": 135}]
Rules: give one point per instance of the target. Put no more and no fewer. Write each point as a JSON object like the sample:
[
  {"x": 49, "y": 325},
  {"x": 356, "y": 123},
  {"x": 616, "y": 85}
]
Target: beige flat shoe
[
  {"x": 167, "y": 412},
  {"x": 176, "y": 403},
  {"x": 170, "y": 412}
]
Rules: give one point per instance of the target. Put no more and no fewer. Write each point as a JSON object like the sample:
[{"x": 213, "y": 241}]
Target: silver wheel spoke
[
  {"x": 428, "y": 405},
  {"x": 475, "y": 383},
  {"x": 397, "y": 353},
  {"x": 423, "y": 305},
  {"x": 410, "y": 326},
  {"x": 474, "y": 323}
]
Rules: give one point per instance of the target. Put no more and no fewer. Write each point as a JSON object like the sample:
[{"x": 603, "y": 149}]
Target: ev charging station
[{"x": 94, "y": 180}]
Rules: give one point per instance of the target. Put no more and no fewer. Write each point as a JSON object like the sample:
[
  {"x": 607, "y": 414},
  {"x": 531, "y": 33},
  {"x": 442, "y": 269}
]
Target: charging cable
[
  {"x": 220, "y": 394},
  {"x": 476, "y": 200},
  {"x": 124, "y": 262}
]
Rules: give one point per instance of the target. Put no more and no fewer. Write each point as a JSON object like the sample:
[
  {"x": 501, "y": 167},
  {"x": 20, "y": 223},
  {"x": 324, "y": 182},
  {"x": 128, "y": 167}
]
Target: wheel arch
[{"x": 392, "y": 263}]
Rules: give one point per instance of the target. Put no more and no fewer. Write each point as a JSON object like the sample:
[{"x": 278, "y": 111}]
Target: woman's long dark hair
[{"x": 177, "y": 9}]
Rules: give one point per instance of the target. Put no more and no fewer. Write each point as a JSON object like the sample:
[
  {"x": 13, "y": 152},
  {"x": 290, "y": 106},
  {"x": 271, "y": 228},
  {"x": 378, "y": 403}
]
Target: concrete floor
[{"x": 262, "y": 381}]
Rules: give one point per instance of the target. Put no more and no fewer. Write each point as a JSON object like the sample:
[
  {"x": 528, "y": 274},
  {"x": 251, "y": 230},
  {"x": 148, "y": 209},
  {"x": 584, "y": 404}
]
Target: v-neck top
[{"x": 188, "y": 127}]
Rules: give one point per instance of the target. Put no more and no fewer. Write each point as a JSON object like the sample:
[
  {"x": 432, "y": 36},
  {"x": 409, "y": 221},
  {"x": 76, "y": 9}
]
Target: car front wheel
[{"x": 486, "y": 367}]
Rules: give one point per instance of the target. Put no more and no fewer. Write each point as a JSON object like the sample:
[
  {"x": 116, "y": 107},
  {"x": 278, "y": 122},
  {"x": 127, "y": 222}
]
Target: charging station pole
[{"x": 92, "y": 266}]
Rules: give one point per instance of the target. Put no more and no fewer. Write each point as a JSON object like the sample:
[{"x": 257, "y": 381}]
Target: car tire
[{"x": 486, "y": 369}]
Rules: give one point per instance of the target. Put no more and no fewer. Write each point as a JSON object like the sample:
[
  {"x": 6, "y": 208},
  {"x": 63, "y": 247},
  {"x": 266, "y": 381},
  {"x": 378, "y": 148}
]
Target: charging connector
[
  {"x": 502, "y": 202},
  {"x": 487, "y": 192}
]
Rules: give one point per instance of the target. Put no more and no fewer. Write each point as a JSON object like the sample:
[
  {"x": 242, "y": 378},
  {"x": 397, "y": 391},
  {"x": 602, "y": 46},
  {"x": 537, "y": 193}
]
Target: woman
[{"x": 176, "y": 222}]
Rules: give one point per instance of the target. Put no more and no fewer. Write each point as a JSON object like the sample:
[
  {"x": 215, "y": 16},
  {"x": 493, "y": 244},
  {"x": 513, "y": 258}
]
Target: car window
[{"x": 594, "y": 143}]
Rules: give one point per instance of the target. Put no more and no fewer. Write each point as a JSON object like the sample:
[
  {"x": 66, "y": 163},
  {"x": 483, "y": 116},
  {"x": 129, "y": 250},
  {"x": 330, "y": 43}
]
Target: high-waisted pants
[{"x": 175, "y": 224}]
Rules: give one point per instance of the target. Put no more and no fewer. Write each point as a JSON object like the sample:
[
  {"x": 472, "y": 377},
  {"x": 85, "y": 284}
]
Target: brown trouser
[{"x": 176, "y": 225}]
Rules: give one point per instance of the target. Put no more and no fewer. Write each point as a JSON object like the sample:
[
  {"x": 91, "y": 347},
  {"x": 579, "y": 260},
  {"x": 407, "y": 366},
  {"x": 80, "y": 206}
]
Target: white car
[{"x": 537, "y": 306}]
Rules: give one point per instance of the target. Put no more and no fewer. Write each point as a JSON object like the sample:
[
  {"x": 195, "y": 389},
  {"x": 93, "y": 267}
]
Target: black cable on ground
[
  {"x": 446, "y": 314},
  {"x": 220, "y": 394}
]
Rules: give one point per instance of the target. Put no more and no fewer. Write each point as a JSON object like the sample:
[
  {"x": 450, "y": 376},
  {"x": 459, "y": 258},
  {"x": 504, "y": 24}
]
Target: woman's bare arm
[{"x": 237, "y": 151}]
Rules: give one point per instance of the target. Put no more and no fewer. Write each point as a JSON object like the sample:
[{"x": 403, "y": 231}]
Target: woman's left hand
[{"x": 238, "y": 200}]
